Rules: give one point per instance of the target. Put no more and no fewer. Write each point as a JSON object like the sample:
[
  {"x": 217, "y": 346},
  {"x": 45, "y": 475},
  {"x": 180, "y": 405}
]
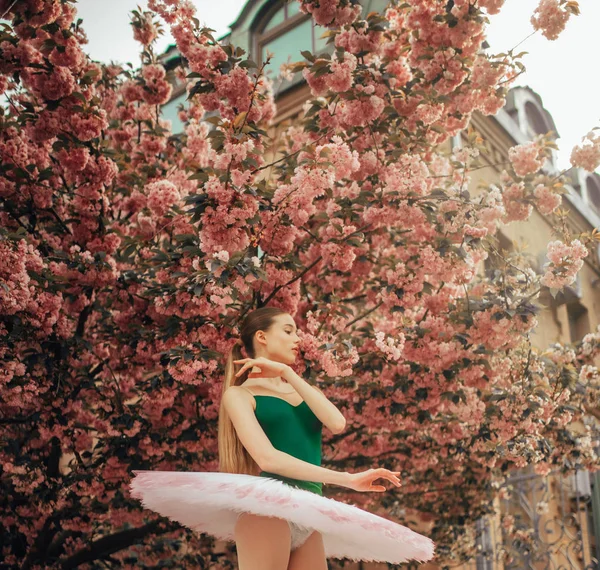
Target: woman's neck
[{"x": 275, "y": 381}]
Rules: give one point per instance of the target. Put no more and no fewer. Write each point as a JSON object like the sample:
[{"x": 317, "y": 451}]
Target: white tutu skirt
[{"x": 211, "y": 503}]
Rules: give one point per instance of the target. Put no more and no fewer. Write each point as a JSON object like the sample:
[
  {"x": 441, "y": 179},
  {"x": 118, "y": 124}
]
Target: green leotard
[{"x": 294, "y": 430}]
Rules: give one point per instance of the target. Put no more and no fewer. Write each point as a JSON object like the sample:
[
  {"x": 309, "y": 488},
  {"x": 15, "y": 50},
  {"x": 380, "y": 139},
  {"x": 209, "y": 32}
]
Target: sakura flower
[
  {"x": 587, "y": 154},
  {"x": 550, "y": 17}
]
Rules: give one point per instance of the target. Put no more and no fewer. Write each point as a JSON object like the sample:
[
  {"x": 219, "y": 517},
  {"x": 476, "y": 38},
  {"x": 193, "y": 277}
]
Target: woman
[{"x": 268, "y": 493}]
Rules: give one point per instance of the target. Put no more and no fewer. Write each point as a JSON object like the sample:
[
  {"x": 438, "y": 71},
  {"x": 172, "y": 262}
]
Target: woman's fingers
[
  {"x": 387, "y": 474},
  {"x": 394, "y": 481},
  {"x": 247, "y": 363},
  {"x": 392, "y": 473}
]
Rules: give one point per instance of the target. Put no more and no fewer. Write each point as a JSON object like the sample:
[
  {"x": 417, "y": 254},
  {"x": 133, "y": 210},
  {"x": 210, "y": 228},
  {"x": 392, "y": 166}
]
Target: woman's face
[{"x": 279, "y": 342}]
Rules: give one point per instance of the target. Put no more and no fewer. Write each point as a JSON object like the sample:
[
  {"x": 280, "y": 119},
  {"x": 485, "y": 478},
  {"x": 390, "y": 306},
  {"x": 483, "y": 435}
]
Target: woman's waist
[{"x": 311, "y": 486}]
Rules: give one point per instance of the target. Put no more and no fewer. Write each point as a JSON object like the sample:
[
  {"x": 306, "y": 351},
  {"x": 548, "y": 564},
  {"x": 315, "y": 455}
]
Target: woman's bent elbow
[{"x": 267, "y": 463}]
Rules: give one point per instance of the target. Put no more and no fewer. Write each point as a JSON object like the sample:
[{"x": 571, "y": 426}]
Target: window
[
  {"x": 579, "y": 322},
  {"x": 594, "y": 520},
  {"x": 170, "y": 111},
  {"x": 285, "y": 32},
  {"x": 495, "y": 260},
  {"x": 283, "y": 13},
  {"x": 593, "y": 192},
  {"x": 535, "y": 121}
]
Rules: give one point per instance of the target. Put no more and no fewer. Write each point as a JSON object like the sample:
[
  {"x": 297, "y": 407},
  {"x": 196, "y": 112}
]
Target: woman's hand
[
  {"x": 269, "y": 368},
  {"x": 364, "y": 481}
]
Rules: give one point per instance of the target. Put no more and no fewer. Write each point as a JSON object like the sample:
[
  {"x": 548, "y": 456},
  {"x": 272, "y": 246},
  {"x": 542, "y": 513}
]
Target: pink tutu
[{"x": 211, "y": 502}]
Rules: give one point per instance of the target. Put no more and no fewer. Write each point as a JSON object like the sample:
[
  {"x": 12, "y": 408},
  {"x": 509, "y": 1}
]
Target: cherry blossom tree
[{"x": 129, "y": 255}]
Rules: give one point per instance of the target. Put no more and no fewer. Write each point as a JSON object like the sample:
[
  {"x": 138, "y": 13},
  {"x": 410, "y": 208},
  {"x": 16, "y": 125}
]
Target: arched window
[
  {"x": 579, "y": 321},
  {"x": 593, "y": 193},
  {"x": 535, "y": 119},
  {"x": 284, "y": 31}
]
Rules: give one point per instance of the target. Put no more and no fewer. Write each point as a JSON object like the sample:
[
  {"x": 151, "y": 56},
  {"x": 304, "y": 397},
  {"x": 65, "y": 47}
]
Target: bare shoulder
[
  {"x": 239, "y": 404},
  {"x": 238, "y": 396}
]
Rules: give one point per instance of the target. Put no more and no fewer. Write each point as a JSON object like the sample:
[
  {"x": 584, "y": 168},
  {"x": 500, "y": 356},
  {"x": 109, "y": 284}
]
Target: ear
[{"x": 260, "y": 337}]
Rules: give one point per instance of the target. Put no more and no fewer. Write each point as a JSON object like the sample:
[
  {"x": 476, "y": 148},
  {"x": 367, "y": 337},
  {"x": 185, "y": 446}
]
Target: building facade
[{"x": 559, "y": 516}]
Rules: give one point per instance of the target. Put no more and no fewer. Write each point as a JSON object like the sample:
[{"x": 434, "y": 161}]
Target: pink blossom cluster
[
  {"x": 516, "y": 205},
  {"x": 162, "y": 195},
  {"x": 144, "y": 28},
  {"x": 234, "y": 92},
  {"x": 339, "y": 80},
  {"x": 408, "y": 175},
  {"x": 546, "y": 200},
  {"x": 356, "y": 39},
  {"x": 338, "y": 256},
  {"x": 590, "y": 344},
  {"x": 589, "y": 377},
  {"x": 156, "y": 89},
  {"x": 562, "y": 355},
  {"x": 492, "y": 6},
  {"x": 343, "y": 160},
  {"x": 41, "y": 309},
  {"x": 492, "y": 212},
  {"x": 192, "y": 372},
  {"x": 361, "y": 111},
  {"x": 526, "y": 158},
  {"x": 551, "y": 17},
  {"x": 565, "y": 260},
  {"x": 587, "y": 154},
  {"x": 331, "y": 12},
  {"x": 441, "y": 64},
  {"x": 392, "y": 347},
  {"x": 298, "y": 198},
  {"x": 434, "y": 47},
  {"x": 401, "y": 71}
]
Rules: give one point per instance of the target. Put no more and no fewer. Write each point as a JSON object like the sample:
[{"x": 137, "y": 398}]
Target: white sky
[{"x": 563, "y": 72}]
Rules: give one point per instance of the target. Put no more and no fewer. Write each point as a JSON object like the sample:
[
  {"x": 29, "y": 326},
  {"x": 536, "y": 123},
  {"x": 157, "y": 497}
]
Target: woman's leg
[{"x": 262, "y": 543}]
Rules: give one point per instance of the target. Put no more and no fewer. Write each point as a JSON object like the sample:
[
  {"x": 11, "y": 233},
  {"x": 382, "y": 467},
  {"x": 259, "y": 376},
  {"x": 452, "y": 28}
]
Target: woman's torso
[{"x": 290, "y": 425}]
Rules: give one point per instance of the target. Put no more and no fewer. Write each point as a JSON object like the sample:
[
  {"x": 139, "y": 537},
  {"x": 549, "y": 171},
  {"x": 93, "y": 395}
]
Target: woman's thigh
[
  {"x": 262, "y": 543},
  {"x": 310, "y": 555}
]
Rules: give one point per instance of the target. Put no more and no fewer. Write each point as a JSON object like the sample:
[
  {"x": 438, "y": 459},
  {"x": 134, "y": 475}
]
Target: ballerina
[{"x": 267, "y": 495}]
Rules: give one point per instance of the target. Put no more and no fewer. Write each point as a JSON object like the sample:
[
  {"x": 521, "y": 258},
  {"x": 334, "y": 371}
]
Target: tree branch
[
  {"x": 276, "y": 289},
  {"x": 113, "y": 543}
]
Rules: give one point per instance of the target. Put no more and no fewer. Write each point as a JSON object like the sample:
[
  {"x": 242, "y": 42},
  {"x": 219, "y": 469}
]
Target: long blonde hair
[{"x": 233, "y": 456}]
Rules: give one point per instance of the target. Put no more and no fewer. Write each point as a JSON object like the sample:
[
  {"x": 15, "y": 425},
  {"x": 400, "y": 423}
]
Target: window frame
[
  {"x": 592, "y": 192},
  {"x": 262, "y": 38}
]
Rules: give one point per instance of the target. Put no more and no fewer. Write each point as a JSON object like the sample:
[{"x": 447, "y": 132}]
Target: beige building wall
[{"x": 564, "y": 320}]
